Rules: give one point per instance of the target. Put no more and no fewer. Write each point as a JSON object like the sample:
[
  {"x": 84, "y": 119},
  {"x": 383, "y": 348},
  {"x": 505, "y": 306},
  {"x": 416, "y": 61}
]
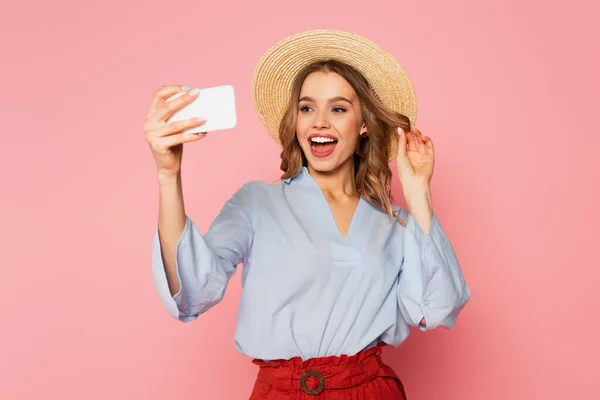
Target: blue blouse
[{"x": 307, "y": 290}]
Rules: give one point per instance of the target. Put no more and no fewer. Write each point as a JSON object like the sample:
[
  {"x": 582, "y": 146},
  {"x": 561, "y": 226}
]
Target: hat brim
[{"x": 276, "y": 70}]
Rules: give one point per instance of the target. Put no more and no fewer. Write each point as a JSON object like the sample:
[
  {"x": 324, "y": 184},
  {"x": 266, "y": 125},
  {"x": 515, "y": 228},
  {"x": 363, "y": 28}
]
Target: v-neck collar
[
  {"x": 303, "y": 171},
  {"x": 304, "y": 175}
]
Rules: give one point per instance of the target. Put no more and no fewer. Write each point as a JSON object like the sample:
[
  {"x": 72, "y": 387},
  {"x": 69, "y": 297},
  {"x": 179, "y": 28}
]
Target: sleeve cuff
[
  {"x": 175, "y": 304},
  {"x": 444, "y": 291}
]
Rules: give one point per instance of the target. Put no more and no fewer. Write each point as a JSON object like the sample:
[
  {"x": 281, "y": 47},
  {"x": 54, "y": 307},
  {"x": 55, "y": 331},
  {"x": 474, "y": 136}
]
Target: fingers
[
  {"x": 178, "y": 126},
  {"x": 429, "y": 146},
  {"x": 413, "y": 145},
  {"x": 157, "y": 129},
  {"x": 165, "y": 109},
  {"x": 173, "y": 140},
  {"x": 414, "y": 141},
  {"x": 401, "y": 144},
  {"x": 419, "y": 142},
  {"x": 162, "y": 93}
]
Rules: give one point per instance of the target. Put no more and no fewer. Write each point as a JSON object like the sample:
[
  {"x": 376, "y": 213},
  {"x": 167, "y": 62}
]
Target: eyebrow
[{"x": 332, "y": 100}]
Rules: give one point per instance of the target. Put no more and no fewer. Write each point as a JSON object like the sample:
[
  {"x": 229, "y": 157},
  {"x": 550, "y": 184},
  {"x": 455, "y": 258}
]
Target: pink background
[{"x": 507, "y": 90}]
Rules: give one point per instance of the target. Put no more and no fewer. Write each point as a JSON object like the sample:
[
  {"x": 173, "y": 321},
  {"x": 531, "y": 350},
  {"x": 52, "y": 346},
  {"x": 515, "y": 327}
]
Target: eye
[
  {"x": 340, "y": 109},
  {"x": 304, "y": 108}
]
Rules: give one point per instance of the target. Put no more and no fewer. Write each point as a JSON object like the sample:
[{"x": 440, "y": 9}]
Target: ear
[{"x": 363, "y": 130}]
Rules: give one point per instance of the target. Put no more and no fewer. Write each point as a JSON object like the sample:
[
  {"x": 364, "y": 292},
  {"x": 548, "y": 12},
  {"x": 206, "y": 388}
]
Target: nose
[{"x": 321, "y": 121}]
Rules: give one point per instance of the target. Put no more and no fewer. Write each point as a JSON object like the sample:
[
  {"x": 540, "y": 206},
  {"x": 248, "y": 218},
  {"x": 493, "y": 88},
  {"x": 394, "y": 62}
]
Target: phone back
[{"x": 217, "y": 104}]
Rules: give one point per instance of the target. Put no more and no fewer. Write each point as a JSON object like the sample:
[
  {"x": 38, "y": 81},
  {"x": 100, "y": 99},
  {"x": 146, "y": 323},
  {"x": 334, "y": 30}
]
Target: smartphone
[{"x": 217, "y": 104}]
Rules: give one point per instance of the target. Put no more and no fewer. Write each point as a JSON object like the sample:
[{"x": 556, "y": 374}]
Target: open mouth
[{"x": 322, "y": 146}]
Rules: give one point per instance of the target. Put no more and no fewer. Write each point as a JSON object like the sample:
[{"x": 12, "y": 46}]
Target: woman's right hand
[{"x": 166, "y": 139}]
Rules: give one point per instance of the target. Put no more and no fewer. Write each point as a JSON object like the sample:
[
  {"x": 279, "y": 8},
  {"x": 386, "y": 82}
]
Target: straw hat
[{"x": 275, "y": 72}]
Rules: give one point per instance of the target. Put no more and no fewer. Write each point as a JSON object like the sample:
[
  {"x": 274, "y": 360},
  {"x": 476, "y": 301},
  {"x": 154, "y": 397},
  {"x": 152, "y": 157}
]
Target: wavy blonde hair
[{"x": 372, "y": 172}]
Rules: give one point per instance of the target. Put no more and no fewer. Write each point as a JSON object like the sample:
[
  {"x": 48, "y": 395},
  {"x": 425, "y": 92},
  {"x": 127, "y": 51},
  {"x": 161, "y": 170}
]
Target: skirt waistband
[{"x": 317, "y": 374}]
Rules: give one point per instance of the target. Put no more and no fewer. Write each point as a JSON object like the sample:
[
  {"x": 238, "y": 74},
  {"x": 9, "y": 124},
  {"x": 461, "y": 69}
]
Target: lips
[{"x": 322, "y": 145}]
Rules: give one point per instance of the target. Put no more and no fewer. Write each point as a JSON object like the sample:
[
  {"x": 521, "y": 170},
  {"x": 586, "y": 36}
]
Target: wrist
[
  {"x": 168, "y": 178},
  {"x": 416, "y": 189},
  {"x": 418, "y": 199}
]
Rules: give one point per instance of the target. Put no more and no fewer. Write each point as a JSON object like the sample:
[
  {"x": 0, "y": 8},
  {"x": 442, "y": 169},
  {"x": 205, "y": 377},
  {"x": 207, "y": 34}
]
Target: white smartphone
[{"x": 217, "y": 104}]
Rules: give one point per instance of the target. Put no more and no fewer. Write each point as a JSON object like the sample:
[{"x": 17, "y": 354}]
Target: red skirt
[{"x": 361, "y": 376}]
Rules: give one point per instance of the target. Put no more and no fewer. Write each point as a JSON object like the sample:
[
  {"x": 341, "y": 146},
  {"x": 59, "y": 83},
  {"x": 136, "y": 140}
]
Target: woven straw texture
[{"x": 276, "y": 70}]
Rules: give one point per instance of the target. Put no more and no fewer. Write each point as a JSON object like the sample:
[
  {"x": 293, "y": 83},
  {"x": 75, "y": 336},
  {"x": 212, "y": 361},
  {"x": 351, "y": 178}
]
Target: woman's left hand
[{"x": 415, "y": 158}]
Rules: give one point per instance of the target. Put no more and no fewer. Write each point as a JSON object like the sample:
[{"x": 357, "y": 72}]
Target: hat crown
[{"x": 275, "y": 72}]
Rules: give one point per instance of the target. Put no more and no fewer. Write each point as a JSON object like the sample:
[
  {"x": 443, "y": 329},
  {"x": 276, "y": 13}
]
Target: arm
[
  {"x": 171, "y": 223},
  {"x": 431, "y": 290},
  {"x": 190, "y": 270}
]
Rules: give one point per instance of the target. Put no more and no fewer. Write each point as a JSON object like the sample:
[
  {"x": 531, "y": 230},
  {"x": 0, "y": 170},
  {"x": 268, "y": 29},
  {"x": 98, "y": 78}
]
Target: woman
[{"x": 332, "y": 270}]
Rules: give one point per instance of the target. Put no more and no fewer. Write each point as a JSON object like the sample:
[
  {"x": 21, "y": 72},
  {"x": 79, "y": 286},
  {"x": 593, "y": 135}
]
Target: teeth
[{"x": 321, "y": 140}]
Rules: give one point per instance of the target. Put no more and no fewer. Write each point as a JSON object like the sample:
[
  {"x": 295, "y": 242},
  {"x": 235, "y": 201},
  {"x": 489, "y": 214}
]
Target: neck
[{"x": 337, "y": 183}]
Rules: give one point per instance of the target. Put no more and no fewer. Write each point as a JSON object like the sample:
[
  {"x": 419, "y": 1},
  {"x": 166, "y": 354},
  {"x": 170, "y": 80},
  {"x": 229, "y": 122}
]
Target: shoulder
[
  {"x": 381, "y": 219},
  {"x": 257, "y": 191},
  {"x": 260, "y": 187}
]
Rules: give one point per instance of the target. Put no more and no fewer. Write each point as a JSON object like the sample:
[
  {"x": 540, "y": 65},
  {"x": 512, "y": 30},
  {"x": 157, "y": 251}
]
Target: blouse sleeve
[
  {"x": 205, "y": 263},
  {"x": 431, "y": 283}
]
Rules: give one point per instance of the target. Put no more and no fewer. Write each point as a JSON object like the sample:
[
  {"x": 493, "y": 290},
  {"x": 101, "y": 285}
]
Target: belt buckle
[{"x": 317, "y": 375}]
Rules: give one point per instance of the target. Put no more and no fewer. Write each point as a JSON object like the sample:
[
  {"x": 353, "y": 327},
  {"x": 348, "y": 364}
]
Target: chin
[
  {"x": 322, "y": 167},
  {"x": 329, "y": 164}
]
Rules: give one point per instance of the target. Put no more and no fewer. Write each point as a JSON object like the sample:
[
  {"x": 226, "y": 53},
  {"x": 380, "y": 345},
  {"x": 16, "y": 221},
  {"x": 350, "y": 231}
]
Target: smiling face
[{"x": 329, "y": 121}]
